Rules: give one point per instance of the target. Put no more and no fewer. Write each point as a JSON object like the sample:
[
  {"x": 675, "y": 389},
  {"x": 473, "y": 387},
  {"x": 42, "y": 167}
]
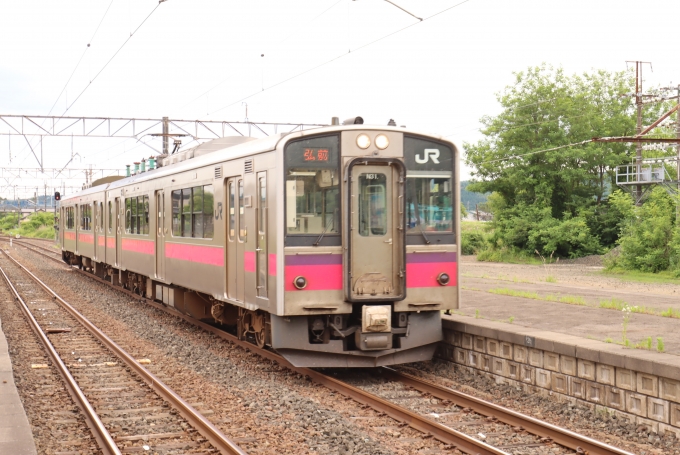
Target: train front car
[{"x": 369, "y": 244}]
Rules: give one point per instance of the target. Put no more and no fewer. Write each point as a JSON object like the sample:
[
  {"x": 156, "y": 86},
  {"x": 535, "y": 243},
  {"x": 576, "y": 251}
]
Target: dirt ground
[{"x": 580, "y": 283}]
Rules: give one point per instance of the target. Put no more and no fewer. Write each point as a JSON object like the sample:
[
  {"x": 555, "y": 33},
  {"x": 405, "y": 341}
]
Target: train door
[
  {"x": 161, "y": 230},
  {"x": 119, "y": 233},
  {"x": 377, "y": 254},
  {"x": 261, "y": 247},
  {"x": 236, "y": 238},
  {"x": 95, "y": 230}
]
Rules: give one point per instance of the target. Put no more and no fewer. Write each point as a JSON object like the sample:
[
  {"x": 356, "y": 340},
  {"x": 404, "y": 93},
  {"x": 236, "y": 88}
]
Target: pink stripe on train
[{"x": 195, "y": 253}]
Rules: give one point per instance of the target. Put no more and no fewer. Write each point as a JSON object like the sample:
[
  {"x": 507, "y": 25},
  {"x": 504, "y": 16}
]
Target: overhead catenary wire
[
  {"x": 363, "y": 46},
  {"x": 507, "y": 158}
]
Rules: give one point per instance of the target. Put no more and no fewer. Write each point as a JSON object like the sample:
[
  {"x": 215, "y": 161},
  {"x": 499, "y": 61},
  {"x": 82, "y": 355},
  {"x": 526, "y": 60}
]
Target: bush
[{"x": 472, "y": 242}]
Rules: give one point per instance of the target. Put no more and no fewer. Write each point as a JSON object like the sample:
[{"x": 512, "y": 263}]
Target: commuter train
[{"x": 336, "y": 247}]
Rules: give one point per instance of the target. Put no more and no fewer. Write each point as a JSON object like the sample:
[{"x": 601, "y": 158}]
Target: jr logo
[{"x": 429, "y": 153}]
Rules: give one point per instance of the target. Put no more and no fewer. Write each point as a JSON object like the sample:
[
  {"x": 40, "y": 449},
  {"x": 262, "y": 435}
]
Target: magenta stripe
[
  {"x": 195, "y": 253},
  {"x": 313, "y": 259},
  {"x": 430, "y": 257}
]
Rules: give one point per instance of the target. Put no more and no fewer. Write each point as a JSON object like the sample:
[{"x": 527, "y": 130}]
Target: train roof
[{"x": 238, "y": 150}]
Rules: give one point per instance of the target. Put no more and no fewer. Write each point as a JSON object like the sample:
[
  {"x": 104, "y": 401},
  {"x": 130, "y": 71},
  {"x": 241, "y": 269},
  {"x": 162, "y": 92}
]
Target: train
[{"x": 335, "y": 246}]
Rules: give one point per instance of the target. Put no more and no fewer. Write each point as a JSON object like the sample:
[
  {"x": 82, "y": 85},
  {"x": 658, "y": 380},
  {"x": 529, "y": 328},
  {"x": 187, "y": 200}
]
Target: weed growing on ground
[
  {"x": 550, "y": 279},
  {"x": 612, "y": 304},
  {"x": 514, "y": 293},
  {"x": 659, "y": 345},
  {"x": 608, "y": 340},
  {"x": 476, "y": 314},
  {"x": 627, "y": 310},
  {"x": 511, "y": 319},
  {"x": 671, "y": 313},
  {"x": 573, "y": 300}
]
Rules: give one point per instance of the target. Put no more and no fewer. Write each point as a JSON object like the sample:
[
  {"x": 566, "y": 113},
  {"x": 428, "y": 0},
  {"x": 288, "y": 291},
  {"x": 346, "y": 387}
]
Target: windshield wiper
[
  {"x": 427, "y": 241},
  {"x": 318, "y": 240}
]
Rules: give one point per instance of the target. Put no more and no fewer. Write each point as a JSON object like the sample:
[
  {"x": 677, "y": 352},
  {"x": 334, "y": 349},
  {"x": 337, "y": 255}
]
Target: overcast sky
[{"x": 202, "y": 59}]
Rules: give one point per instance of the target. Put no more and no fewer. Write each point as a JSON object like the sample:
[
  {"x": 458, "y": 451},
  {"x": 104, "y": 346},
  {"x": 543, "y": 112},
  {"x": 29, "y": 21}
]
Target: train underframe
[{"x": 321, "y": 340}]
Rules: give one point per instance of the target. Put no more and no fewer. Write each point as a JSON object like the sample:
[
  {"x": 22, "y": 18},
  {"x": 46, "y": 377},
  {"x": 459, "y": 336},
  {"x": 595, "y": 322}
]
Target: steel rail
[
  {"x": 198, "y": 421},
  {"x": 559, "y": 435},
  {"x": 539, "y": 428},
  {"x": 99, "y": 431}
]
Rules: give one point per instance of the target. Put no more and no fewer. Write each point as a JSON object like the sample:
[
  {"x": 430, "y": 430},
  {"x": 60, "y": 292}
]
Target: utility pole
[
  {"x": 35, "y": 207},
  {"x": 166, "y": 131},
  {"x": 677, "y": 135}
]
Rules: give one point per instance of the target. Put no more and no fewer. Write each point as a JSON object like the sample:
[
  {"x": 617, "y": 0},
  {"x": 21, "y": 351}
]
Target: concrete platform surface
[{"x": 16, "y": 437}]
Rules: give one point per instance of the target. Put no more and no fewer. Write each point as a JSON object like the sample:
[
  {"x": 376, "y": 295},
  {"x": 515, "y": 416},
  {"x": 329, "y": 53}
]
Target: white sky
[{"x": 198, "y": 59}]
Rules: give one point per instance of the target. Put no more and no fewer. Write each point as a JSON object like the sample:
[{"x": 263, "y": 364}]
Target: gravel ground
[
  {"x": 607, "y": 428},
  {"x": 56, "y": 421},
  {"x": 584, "y": 272},
  {"x": 262, "y": 407}
]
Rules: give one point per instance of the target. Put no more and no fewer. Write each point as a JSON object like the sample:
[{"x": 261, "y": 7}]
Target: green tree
[{"x": 555, "y": 200}]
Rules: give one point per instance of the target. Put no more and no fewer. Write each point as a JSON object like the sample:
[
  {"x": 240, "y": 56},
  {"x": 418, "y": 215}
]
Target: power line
[
  {"x": 507, "y": 158},
  {"x": 297, "y": 30},
  {"x": 338, "y": 57},
  {"x": 112, "y": 57}
]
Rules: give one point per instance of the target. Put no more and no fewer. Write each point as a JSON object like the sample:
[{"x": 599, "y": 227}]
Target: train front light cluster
[
  {"x": 382, "y": 142},
  {"x": 364, "y": 141}
]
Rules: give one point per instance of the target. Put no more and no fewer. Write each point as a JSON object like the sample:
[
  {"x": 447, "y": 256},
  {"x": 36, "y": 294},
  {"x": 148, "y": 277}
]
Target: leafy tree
[{"x": 551, "y": 195}]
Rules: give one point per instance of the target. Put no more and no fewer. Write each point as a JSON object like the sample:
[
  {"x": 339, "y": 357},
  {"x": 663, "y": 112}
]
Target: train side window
[
  {"x": 196, "y": 212},
  {"x": 128, "y": 215},
  {"x": 142, "y": 214},
  {"x": 176, "y": 219},
  {"x": 134, "y": 227},
  {"x": 208, "y": 212},
  {"x": 231, "y": 211},
  {"x": 110, "y": 216},
  {"x": 241, "y": 214},
  {"x": 186, "y": 212},
  {"x": 101, "y": 216}
]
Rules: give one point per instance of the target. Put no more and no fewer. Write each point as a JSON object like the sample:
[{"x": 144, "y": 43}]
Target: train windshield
[
  {"x": 429, "y": 188},
  {"x": 313, "y": 187}
]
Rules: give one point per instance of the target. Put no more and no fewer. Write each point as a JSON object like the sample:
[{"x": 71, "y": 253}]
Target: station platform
[
  {"x": 559, "y": 338},
  {"x": 16, "y": 437}
]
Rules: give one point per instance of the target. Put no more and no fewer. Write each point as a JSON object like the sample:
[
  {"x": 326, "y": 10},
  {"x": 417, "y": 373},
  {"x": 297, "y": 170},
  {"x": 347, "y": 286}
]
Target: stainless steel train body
[{"x": 336, "y": 246}]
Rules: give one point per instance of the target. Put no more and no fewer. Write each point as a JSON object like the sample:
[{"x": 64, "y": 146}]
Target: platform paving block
[
  {"x": 647, "y": 384},
  {"x": 636, "y": 403},
  {"x": 485, "y": 362},
  {"x": 568, "y": 365},
  {"x": 551, "y": 361},
  {"x": 651, "y": 425},
  {"x": 520, "y": 353},
  {"x": 614, "y": 398},
  {"x": 578, "y": 387},
  {"x": 527, "y": 374},
  {"x": 586, "y": 369},
  {"x": 466, "y": 341},
  {"x": 560, "y": 383},
  {"x": 669, "y": 389},
  {"x": 543, "y": 378},
  {"x": 605, "y": 374},
  {"x": 506, "y": 350},
  {"x": 479, "y": 344},
  {"x": 474, "y": 360},
  {"x": 535, "y": 358},
  {"x": 658, "y": 409},
  {"x": 460, "y": 356},
  {"x": 595, "y": 392},
  {"x": 675, "y": 414},
  {"x": 499, "y": 366},
  {"x": 513, "y": 370},
  {"x": 492, "y": 347},
  {"x": 625, "y": 379}
]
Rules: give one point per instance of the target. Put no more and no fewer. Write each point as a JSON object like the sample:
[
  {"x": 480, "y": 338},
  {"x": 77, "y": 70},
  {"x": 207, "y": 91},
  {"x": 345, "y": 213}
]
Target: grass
[
  {"x": 514, "y": 293},
  {"x": 36, "y": 225},
  {"x": 642, "y": 277},
  {"x": 568, "y": 299},
  {"x": 473, "y": 226},
  {"x": 573, "y": 300},
  {"x": 507, "y": 256},
  {"x": 550, "y": 279},
  {"x": 670, "y": 313}
]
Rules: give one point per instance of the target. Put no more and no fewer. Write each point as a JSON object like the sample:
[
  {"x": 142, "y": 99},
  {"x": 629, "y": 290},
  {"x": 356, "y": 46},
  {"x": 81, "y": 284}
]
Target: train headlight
[
  {"x": 363, "y": 141},
  {"x": 300, "y": 282},
  {"x": 382, "y": 142},
  {"x": 443, "y": 279}
]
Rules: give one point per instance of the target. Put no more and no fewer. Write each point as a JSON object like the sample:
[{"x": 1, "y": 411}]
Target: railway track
[
  {"x": 461, "y": 421},
  {"x": 127, "y": 408}
]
